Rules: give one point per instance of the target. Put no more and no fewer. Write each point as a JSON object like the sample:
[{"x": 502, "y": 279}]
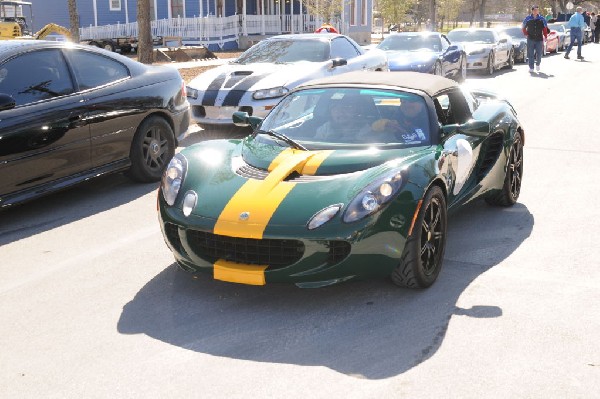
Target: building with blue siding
[{"x": 223, "y": 24}]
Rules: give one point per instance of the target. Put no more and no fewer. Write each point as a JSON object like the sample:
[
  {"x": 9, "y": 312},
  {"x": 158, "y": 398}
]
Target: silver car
[
  {"x": 263, "y": 74},
  {"x": 487, "y": 51}
]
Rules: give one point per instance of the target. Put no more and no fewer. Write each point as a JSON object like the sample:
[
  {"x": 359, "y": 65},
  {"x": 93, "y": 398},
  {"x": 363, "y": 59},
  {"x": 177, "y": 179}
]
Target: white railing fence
[{"x": 210, "y": 29}]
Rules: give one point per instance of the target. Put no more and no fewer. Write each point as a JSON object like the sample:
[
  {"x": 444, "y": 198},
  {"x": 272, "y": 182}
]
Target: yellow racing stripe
[{"x": 248, "y": 212}]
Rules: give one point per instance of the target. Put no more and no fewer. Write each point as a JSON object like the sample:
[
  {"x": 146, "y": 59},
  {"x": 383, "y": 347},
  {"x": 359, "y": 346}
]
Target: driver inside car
[{"x": 409, "y": 124}]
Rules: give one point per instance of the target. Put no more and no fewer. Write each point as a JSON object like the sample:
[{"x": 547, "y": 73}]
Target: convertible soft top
[{"x": 430, "y": 84}]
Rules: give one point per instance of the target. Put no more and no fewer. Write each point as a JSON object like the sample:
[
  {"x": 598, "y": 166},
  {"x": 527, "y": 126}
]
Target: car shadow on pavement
[
  {"x": 366, "y": 329},
  {"x": 69, "y": 205}
]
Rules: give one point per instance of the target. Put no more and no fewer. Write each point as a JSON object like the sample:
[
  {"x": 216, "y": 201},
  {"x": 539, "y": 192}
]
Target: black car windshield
[
  {"x": 410, "y": 42},
  {"x": 333, "y": 116},
  {"x": 479, "y": 36},
  {"x": 514, "y": 32},
  {"x": 283, "y": 51}
]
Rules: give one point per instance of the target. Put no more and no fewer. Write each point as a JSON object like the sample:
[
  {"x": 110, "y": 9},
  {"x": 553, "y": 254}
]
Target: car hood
[
  {"x": 407, "y": 58},
  {"x": 232, "y": 177},
  {"x": 262, "y": 75},
  {"x": 469, "y": 47}
]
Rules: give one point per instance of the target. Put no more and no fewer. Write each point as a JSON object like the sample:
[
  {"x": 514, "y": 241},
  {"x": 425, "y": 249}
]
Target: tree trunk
[
  {"x": 481, "y": 13},
  {"x": 73, "y": 21},
  {"x": 145, "y": 49},
  {"x": 432, "y": 10}
]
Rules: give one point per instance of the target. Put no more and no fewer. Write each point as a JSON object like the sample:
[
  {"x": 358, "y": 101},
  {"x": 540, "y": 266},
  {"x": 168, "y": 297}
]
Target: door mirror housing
[
  {"x": 336, "y": 62},
  {"x": 6, "y": 102},
  {"x": 471, "y": 128},
  {"x": 242, "y": 119}
]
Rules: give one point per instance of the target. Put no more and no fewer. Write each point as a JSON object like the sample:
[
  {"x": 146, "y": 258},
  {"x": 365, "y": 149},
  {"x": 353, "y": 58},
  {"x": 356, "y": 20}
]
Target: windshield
[
  {"x": 283, "y": 51},
  {"x": 410, "y": 42},
  {"x": 474, "y": 36},
  {"x": 556, "y": 27},
  {"x": 318, "y": 118},
  {"x": 514, "y": 32}
]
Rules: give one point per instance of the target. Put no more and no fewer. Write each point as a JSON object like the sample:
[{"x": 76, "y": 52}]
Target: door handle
[{"x": 76, "y": 121}]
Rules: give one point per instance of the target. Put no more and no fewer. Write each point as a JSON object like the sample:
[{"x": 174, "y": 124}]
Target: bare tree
[
  {"x": 73, "y": 21},
  {"x": 326, "y": 9},
  {"x": 145, "y": 50}
]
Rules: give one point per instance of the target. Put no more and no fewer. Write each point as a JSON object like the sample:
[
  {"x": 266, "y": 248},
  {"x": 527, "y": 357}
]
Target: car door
[
  {"x": 114, "y": 110},
  {"x": 343, "y": 48},
  {"x": 502, "y": 48},
  {"x": 44, "y": 138},
  {"x": 460, "y": 151},
  {"x": 450, "y": 56}
]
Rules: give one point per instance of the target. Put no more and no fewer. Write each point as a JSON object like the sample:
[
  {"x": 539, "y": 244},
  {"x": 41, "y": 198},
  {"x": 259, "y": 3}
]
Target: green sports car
[{"x": 347, "y": 177}]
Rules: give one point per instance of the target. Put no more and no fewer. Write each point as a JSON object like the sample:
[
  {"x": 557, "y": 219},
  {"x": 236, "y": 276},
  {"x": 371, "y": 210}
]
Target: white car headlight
[
  {"x": 374, "y": 196},
  {"x": 191, "y": 93},
  {"x": 173, "y": 178},
  {"x": 270, "y": 93},
  {"x": 324, "y": 216}
]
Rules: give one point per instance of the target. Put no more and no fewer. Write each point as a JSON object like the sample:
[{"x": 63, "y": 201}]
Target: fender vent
[{"x": 493, "y": 148}]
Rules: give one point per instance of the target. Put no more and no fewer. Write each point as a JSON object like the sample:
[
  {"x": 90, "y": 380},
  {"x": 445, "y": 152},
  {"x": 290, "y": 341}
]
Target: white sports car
[{"x": 256, "y": 81}]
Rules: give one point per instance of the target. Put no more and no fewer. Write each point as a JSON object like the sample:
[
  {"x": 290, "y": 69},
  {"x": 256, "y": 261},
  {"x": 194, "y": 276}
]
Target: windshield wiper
[{"x": 284, "y": 138}]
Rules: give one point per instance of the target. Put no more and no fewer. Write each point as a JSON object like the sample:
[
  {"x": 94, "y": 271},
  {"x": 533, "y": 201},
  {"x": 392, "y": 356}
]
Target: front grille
[{"x": 272, "y": 252}]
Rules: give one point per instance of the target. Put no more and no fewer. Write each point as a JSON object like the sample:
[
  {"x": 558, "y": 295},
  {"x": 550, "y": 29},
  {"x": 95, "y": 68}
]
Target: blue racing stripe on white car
[
  {"x": 210, "y": 95},
  {"x": 234, "y": 96}
]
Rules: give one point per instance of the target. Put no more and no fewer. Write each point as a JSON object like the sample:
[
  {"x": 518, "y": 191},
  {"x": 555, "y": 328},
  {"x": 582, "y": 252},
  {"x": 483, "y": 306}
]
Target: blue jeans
[
  {"x": 534, "y": 47},
  {"x": 576, "y": 34}
]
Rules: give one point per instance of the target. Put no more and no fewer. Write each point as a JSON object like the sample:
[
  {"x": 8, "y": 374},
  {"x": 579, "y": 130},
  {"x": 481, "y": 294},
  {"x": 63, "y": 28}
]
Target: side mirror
[
  {"x": 453, "y": 48},
  {"x": 471, "y": 128},
  {"x": 503, "y": 40},
  {"x": 242, "y": 119},
  {"x": 6, "y": 102},
  {"x": 339, "y": 62},
  {"x": 475, "y": 128},
  {"x": 448, "y": 130}
]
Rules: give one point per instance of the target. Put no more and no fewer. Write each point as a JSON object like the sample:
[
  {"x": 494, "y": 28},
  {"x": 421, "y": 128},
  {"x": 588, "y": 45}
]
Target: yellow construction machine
[{"x": 13, "y": 22}]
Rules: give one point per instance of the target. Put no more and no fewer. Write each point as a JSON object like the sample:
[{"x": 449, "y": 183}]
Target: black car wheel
[
  {"x": 511, "y": 60},
  {"x": 423, "y": 254},
  {"x": 462, "y": 70},
  {"x": 511, "y": 188},
  {"x": 490, "y": 65},
  {"x": 152, "y": 148},
  {"x": 437, "y": 69}
]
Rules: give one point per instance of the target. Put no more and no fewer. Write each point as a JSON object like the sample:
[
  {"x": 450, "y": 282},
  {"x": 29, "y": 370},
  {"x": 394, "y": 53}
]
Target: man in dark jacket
[{"x": 536, "y": 29}]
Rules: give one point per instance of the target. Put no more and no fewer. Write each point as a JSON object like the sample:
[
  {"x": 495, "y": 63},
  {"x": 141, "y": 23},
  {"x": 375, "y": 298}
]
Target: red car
[{"x": 551, "y": 43}]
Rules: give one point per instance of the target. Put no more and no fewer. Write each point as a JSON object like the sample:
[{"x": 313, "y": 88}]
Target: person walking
[
  {"x": 535, "y": 28},
  {"x": 597, "y": 30},
  {"x": 593, "y": 21},
  {"x": 577, "y": 25}
]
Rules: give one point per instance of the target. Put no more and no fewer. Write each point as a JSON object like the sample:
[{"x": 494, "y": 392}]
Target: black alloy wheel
[
  {"x": 490, "y": 66},
  {"x": 152, "y": 148},
  {"x": 511, "y": 189},
  {"x": 421, "y": 261}
]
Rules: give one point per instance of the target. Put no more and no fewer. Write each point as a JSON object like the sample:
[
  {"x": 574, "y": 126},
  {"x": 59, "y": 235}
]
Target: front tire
[
  {"x": 152, "y": 148},
  {"x": 437, "y": 69},
  {"x": 462, "y": 73},
  {"x": 511, "y": 188},
  {"x": 490, "y": 66},
  {"x": 423, "y": 254}
]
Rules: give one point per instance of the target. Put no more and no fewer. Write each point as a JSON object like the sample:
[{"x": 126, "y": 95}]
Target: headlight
[
  {"x": 191, "y": 93},
  {"x": 270, "y": 93},
  {"x": 323, "y": 216},
  {"x": 475, "y": 52},
  {"x": 173, "y": 178},
  {"x": 374, "y": 196}
]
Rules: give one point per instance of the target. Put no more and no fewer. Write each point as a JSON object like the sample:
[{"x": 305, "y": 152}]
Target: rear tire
[
  {"x": 152, "y": 148},
  {"x": 511, "y": 188},
  {"x": 421, "y": 261}
]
